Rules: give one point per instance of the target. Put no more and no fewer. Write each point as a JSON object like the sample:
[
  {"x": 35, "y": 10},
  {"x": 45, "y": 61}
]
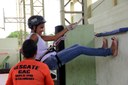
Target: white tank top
[{"x": 41, "y": 46}]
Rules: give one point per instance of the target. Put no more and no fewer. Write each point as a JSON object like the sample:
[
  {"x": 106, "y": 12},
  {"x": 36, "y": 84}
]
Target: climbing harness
[{"x": 55, "y": 43}]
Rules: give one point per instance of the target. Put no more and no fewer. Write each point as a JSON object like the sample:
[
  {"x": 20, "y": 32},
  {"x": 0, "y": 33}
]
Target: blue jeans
[{"x": 74, "y": 51}]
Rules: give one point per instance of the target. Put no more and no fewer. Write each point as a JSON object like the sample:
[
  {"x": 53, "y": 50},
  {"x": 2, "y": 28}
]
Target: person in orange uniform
[{"x": 29, "y": 71}]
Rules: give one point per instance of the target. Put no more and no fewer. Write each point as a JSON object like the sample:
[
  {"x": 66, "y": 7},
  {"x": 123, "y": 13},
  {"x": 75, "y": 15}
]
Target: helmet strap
[{"x": 34, "y": 29}]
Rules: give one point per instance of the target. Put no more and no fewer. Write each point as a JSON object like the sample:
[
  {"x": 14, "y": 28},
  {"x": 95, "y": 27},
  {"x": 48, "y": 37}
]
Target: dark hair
[{"x": 29, "y": 48}]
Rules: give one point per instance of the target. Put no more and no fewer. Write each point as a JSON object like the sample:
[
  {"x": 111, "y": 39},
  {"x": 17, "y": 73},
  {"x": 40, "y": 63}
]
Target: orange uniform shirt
[{"x": 30, "y": 72}]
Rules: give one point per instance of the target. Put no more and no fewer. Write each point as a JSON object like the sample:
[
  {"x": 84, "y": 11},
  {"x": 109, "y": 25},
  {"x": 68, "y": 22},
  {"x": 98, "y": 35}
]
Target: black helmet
[{"x": 35, "y": 20}]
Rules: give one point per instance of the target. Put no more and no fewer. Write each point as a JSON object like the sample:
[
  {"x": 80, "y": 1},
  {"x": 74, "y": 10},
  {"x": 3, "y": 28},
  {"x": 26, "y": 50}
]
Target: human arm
[
  {"x": 34, "y": 37},
  {"x": 60, "y": 34},
  {"x": 54, "y": 37}
]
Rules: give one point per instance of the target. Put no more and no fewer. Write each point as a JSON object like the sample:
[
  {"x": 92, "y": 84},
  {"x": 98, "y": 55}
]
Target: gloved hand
[{"x": 72, "y": 26}]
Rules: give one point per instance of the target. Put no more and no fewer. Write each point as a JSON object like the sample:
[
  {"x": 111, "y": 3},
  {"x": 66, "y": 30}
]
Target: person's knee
[{"x": 76, "y": 45}]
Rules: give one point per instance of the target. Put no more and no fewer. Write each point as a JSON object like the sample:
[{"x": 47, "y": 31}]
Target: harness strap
[
  {"x": 58, "y": 61},
  {"x": 37, "y": 59}
]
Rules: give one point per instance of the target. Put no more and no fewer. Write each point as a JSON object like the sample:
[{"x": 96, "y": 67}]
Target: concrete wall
[
  {"x": 111, "y": 19},
  {"x": 9, "y": 46},
  {"x": 81, "y": 70},
  {"x": 121, "y": 1},
  {"x": 101, "y": 6},
  {"x": 113, "y": 70},
  {"x": 3, "y": 79},
  {"x": 109, "y": 70}
]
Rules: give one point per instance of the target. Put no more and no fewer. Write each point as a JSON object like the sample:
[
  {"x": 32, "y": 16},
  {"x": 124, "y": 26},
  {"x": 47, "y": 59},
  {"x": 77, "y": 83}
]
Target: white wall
[
  {"x": 10, "y": 46},
  {"x": 101, "y": 6},
  {"x": 3, "y": 79},
  {"x": 114, "y": 18},
  {"x": 109, "y": 70},
  {"x": 113, "y": 70},
  {"x": 121, "y": 1}
]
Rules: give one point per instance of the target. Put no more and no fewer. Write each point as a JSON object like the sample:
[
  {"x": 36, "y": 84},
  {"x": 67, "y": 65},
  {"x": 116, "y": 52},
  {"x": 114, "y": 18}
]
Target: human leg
[
  {"x": 68, "y": 54},
  {"x": 72, "y": 46},
  {"x": 71, "y": 53},
  {"x": 52, "y": 62},
  {"x": 114, "y": 46},
  {"x": 105, "y": 43}
]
